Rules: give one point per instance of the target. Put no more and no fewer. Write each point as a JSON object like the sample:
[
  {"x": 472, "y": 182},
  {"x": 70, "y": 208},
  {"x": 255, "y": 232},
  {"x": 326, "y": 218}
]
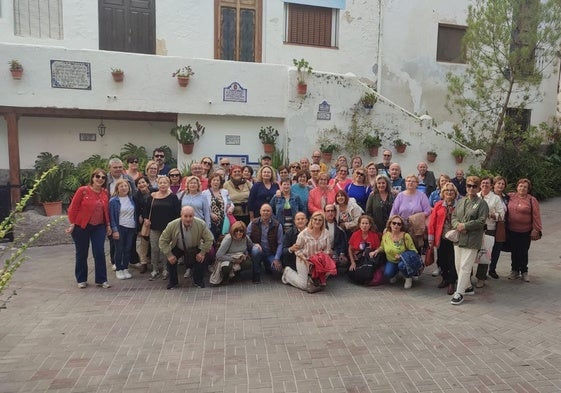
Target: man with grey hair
[{"x": 384, "y": 166}]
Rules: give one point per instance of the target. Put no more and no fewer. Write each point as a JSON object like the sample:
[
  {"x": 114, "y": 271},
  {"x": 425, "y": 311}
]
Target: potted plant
[
  {"x": 183, "y": 74},
  {"x": 118, "y": 74},
  {"x": 187, "y": 135},
  {"x": 372, "y": 143},
  {"x": 16, "y": 69},
  {"x": 400, "y": 145},
  {"x": 327, "y": 149},
  {"x": 58, "y": 186},
  {"x": 303, "y": 69},
  {"x": 368, "y": 100},
  {"x": 431, "y": 156},
  {"x": 268, "y": 136},
  {"x": 459, "y": 155}
]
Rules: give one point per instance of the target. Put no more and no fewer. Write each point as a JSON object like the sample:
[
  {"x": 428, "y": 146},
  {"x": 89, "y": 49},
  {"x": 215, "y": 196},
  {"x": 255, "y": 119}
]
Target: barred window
[{"x": 38, "y": 18}]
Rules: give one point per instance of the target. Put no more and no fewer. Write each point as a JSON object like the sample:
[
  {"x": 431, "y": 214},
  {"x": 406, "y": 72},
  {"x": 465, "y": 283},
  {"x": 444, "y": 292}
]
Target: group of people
[{"x": 303, "y": 222}]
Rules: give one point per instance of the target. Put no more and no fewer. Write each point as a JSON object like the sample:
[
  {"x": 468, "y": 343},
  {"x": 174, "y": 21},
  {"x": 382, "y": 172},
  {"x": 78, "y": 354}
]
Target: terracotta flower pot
[
  {"x": 401, "y": 148},
  {"x": 118, "y": 76},
  {"x": 268, "y": 147},
  {"x": 16, "y": 74},
  {"x": 459, "y": 159},
  {"x": 53, "y": 208},
  {"x": 373, "y": 151},
  {"x": 183, "y": 81},
  {"x": 187, "y": 148},
  {"x": 302, "y": 89},
  {"x": 431, "y": 157}
]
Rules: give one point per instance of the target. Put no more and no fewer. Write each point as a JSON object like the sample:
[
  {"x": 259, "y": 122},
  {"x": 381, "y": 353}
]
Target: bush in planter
[
  {"x": 58, "y": 185},
  {"x": 303, "y": 69},
  {"x": 459, "y": 154},
  {"x": 431, "y": 156},
  {"x": 268, "y": 135},
  {"x": 400, "y": 145},
  {"x": 368, "y": 100},
  {"x": 187, "y": 134}
]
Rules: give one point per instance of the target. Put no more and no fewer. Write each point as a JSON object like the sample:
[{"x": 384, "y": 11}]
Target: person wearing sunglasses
[
  {"x": 207, "y": 165},
  {"x": 440, "y": 222},
  {"x": 132, "y": 168},
  {"x": 88, "y": 215},
  {"x": 359, "y": 189},
  {"x": 174, "y": 180},
  {"x": 294, "y": 168},
  {"x": 396, "y": 241},
  {"x": 225, "y": 166},
  {"x": 232, "y": 255},
  {"x": 469, "y": 219},
  {"x": 341, "y": 179},
  {"x": 159, "y": 155},
  {"x": 384, "y": 166}
]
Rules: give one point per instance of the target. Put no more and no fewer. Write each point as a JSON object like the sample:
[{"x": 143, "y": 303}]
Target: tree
[{"x": 510, "y": 46}]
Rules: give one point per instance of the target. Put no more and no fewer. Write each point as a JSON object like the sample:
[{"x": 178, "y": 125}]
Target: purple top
[{"x": 407, "y": 205}]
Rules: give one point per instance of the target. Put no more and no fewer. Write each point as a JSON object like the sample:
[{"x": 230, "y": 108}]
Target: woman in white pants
[
  {"x": 312, "y": 240},
  {"x": 469, "y": 219}
]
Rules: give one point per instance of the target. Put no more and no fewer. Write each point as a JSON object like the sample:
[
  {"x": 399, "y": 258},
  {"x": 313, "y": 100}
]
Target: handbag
[
  {"x": 429, "y": 256},
  {"x": 145, "y": 230},
  {"x": 453, "y": 235},
  {"x": 366, "y": 266},
  {"x": 500, "y": 232},
  {"x": 484, "y": 255}
]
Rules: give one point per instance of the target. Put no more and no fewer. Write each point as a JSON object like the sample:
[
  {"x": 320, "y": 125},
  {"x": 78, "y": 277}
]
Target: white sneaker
[
  {"x": 82, "y": 285},
  {"x": 408, "y": 283},
  {"x": 127, "y": 274},
  {"x": 165, "y": 275},
  {"x": 187, "y": 273},
  {"x": 436, "y": 272},
  {"x": 154, "y": 275},
  {"x": 120, "y": 274},
  {"x": 113, "y": 267},
  {"x": 104, "y": 285}
]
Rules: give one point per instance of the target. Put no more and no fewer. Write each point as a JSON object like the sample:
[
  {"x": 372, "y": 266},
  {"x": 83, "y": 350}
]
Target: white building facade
[{"x": 241, "y": 52}]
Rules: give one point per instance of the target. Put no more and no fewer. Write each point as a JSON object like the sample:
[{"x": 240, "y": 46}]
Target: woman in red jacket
[
  {"x": 440, "y": 222},
  {"x": 89, "y": 222}
]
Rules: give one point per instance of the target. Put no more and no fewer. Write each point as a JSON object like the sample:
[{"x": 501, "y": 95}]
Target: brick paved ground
[{"x": 140, "y": 337}]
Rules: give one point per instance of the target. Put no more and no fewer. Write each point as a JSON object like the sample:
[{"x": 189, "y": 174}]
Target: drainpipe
[{"x": 380, "y": 24}]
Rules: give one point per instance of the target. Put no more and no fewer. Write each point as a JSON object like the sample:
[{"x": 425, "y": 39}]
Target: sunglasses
[
  {"x": 174, "y": 175},
  {"x": 471, "y": 186},
  {"x": 133, "y": 162},
  {"x": 396, "y": 223},
  {"x": 207, "y": 163},
  {"x": 159, "y": 155},
  {"x": 239, "y": 231},
  {"x": 225, "y": 164},
  {"x": 387, "y": 155},
  {"x": 360, "y": 174},
  {"x": 103, "y": 177},
  {"x": 295, "y": 166}
]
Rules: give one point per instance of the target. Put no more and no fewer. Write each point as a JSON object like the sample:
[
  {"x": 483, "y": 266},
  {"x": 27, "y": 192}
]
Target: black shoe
[
  {"x": 200, "y": 284},
  {"x": 494, "y": 275},
  {"x": 171, "y": 286},
  {"x": 256, "y": 278},
  {"x": 470, "y": 291}
]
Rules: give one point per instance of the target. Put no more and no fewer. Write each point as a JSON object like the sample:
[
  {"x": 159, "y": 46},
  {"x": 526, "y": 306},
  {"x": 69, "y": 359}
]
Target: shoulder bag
[{"x": 145, "y": 230}]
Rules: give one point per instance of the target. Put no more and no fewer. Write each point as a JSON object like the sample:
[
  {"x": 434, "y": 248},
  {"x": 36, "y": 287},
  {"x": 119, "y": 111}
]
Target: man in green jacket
[
  {"x": 188, "y": 237},
  {"x": 468, "y": 218}
]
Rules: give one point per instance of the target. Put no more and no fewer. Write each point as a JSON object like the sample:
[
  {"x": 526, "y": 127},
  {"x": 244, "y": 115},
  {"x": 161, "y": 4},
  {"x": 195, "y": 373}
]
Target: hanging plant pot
[
  {"x": 268, "y": 147},
  {"x": 182, "y": 81},
  {"x": 187, "y": 148},
  {"x": 302, "y": 89},
  {"x": 17, "y": 74},
  {"x": 326, "y": 156},
  {"x": 373, "y": 151},
  {"x": 53, "y": 208},
  {"x": 401, "y": 148},
  {"x": 431, "y": 157},
  {"x": 459, "y": 159},
  {"x": 118, "y": 76}
]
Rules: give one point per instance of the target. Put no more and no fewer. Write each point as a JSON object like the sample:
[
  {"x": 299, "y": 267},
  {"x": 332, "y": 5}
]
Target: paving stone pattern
[{"x": 139, "y": 337}]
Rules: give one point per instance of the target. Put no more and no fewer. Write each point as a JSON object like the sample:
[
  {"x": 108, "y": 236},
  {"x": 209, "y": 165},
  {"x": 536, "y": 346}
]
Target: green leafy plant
[
  {"x": 187, "y": 134},
  {"x": 432, "y": 153},
  {"x": 183, "y": 72},
  {"x": 15, "y": 65},
  {"x": 116, "y": 70},
  {"x": 303, "y": 68},
  {"x": 458, "y": 152},
  {"x": 400, "y": 142},
  {"x": 132, "y": 150},
  {"x": 369, "y": 99},
  {"x": 268, "y": 135},
  {"x": 60, "y": 184},
  {"x": 371, "y": 141},
  {"x": 328, "y": 148}
]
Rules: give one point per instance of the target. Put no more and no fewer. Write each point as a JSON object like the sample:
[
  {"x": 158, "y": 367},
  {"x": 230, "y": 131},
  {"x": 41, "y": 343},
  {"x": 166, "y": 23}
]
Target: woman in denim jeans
[{"x": 88, "y": 215}]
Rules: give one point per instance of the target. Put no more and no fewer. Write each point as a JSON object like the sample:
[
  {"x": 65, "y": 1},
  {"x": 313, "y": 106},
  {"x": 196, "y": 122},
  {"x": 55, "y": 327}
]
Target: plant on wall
[{"x": 303, "y": 69}]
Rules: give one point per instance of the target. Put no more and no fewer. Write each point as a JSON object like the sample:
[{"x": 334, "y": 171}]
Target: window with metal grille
[
  {"x": 449, "y": 45},
  {"x": 311, "y": 25},
  {"x": 38, "y": 18}
]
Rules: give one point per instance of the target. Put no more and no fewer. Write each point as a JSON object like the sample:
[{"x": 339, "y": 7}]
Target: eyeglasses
[
  {"x": 387, "y": 155},
  {"x": 239, "y": 231},
  {"x": 133, "y": 162},
  {"x": 343, "y": 171},
  {"x": 330, "y": 211},
  {"x": 471, "y": 186},
  {"x": 174, "y": 175},
  {"x": 207, "y": 163},
  {"x": 314, "y": 170},
  {"x": 159, "y": 155},
  {"x": 396, "y": 223},
  {"x": 316, "y": 156},
  {"x": 224, "y": 163},
  {"x": 103, "y": 177}
]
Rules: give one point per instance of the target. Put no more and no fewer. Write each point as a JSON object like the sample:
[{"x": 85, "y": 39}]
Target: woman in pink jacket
[
  {"x": 89, "y": 222},
  {"x": 440, "y": 222}
]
